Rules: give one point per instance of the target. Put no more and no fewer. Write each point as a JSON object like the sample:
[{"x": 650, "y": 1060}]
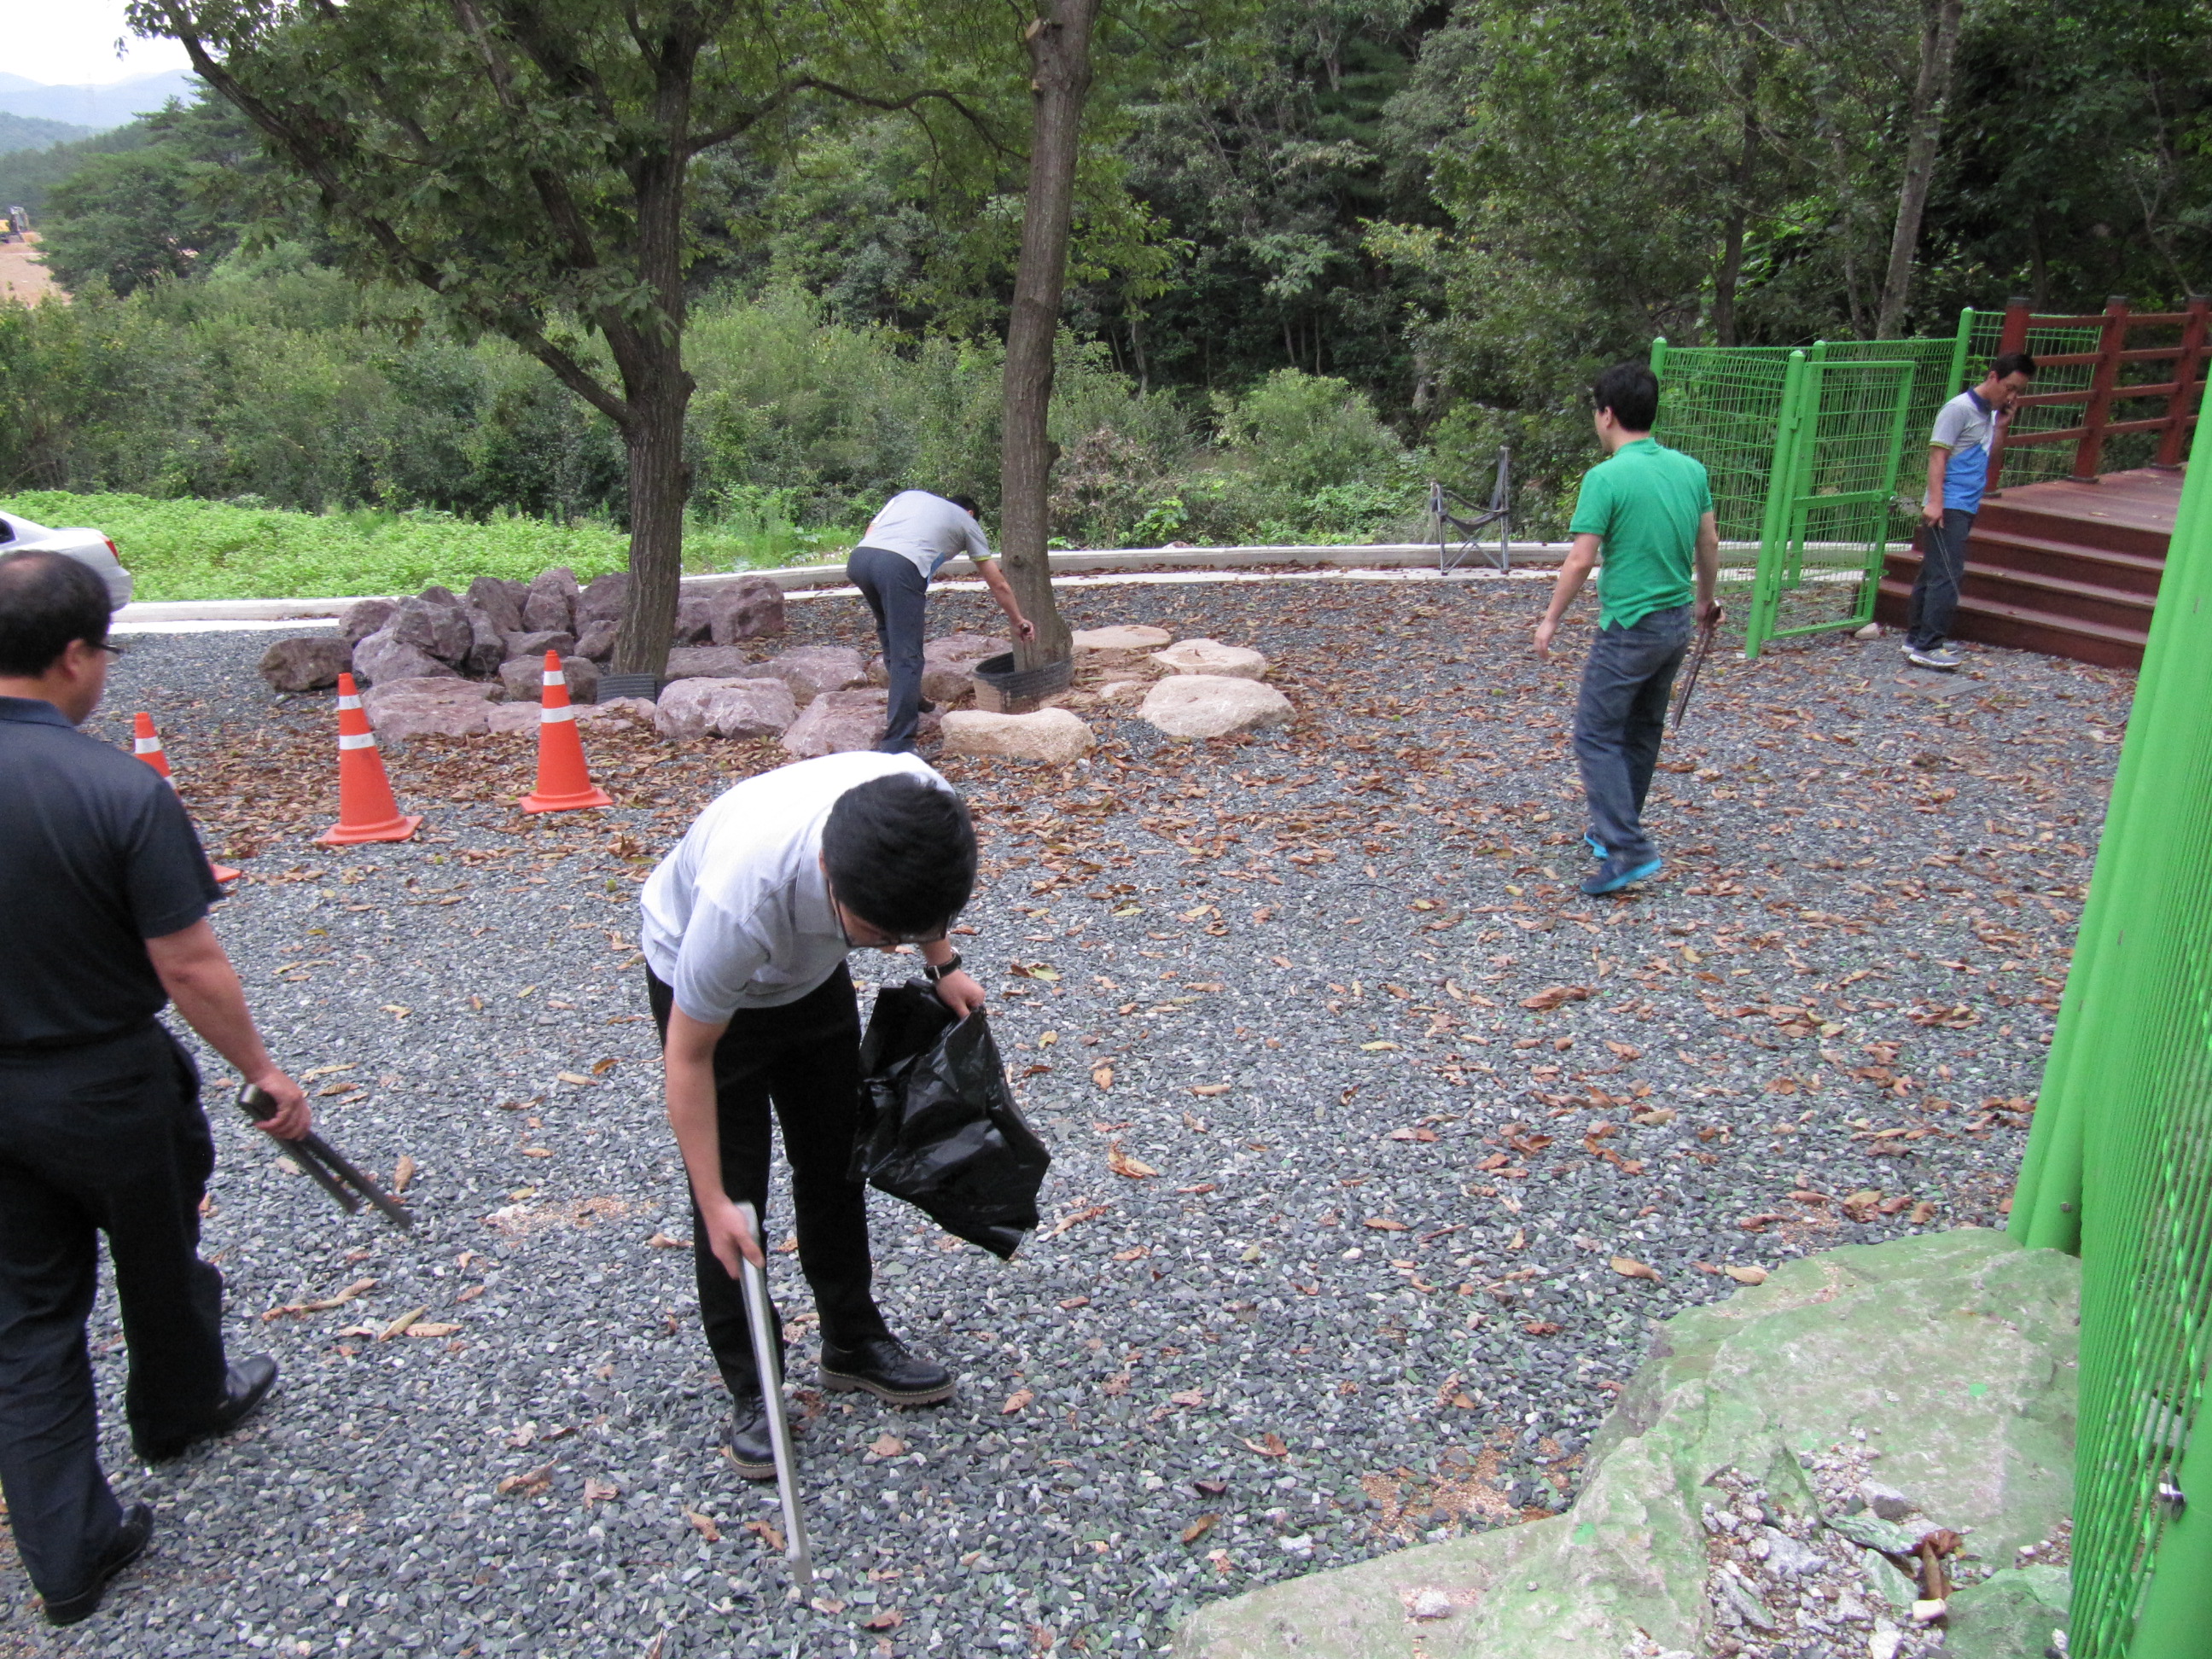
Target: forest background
[{"x": 1326, "y": 250}]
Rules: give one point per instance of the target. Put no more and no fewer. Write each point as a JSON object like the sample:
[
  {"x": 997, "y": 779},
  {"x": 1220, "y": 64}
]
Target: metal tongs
[
  {"x": 332, "y": 1173},
  {"x": 1706, "y": 630},
  {"x": 768, "y": 1361}
]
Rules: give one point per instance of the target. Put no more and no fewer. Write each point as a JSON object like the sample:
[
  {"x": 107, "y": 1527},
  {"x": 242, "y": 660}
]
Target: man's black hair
[
  {"x": 2011, "y": 362},
  {"x": 901, "y": 853},
  {"x": 1631, "y": 390},
  {"x": 46, "y": 600},
  {"x": 966, "y": 503}
]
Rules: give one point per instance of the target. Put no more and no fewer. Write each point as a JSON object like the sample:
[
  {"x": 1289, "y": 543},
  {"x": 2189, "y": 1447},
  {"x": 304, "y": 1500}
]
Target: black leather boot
[
  {"x": 750, "y": 1448},
  {"x": 243, "y": 1390},
  {"x": 129, "y": 1544},
  {"x": 885, "y": 1370}
]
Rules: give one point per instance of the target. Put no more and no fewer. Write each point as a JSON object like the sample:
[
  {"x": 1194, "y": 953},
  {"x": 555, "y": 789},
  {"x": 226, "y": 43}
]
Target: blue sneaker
[
  {"x": 1613, "y": 875},
  {"x": 1596, "y": 847}
]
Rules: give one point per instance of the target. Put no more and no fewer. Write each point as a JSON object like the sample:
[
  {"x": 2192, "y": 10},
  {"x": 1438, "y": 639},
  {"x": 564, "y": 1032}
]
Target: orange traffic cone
[
  {"x": 365, "y": 809},
  {"x": 564, "y": 782},
  {"x": 147, "y": 746}
]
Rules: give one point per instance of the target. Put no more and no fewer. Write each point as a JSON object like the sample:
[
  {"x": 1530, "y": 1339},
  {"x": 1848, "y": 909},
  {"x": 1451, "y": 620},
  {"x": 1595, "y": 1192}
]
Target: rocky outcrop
[
  {"x": 445, "y": 708},
  {"x": 523, "y": 678},
  {"x": 712, "y": 662},
  {"x": 502, "y": 601},
  {"x": 757, "y": 707},
  {"x": 837, "y": 722},
  {"x": 1212, "y": 706},
  {"x": 617, "y": 715},
  {"x": 363, "y": 617},
  {"x": 536, "y": 642},
  {"x": 1051, "y": 735},
  {"x": 382, "y": 658},
  {"x": 306, "y": 664},
  {"x": 746, "y": 610},
  {"x": 550, "y": 605},
  {"x": 813, "y": 670}
]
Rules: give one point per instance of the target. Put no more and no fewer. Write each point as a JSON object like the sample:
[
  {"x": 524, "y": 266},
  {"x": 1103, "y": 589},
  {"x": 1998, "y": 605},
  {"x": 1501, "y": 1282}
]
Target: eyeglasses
[
  {"x": 883, "y": 938},
  {"x": 113, "y": 649}
]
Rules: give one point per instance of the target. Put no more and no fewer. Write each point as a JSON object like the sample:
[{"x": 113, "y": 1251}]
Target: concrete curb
[{"x": 800, "y": 578}]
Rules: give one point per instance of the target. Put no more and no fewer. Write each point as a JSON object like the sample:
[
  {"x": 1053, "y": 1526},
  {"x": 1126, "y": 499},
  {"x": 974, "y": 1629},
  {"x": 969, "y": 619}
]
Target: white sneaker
[{"x": 1941, "y": 658}]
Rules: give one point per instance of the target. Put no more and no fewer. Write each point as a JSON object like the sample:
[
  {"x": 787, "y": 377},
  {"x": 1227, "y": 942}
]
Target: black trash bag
[{"x": 938, "y": 1127}]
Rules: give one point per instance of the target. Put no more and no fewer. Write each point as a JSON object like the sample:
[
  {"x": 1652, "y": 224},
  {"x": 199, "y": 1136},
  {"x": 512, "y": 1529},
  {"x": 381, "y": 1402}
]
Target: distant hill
[
  {"x": 95, "y": 108},
  {"x": 26, "y": 175},
  {"x": 30, "y": 132}
]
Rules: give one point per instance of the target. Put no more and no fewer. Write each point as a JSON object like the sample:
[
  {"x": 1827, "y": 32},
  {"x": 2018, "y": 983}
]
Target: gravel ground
[{"x": 1378, "y": 1146}]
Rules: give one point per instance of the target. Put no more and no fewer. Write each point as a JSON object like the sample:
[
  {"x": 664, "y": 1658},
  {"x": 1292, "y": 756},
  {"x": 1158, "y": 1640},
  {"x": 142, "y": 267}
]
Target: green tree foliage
[
  {"x": 26, "y": 175},
  {"x": 19, "y": 132}
]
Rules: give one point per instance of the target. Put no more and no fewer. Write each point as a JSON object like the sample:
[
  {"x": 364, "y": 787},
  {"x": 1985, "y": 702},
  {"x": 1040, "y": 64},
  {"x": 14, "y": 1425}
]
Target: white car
[{"x": 86, "y": 547}]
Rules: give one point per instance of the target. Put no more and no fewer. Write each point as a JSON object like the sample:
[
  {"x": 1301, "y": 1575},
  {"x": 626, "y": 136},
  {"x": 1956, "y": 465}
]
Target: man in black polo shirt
[{"x": 106, "y": 892}]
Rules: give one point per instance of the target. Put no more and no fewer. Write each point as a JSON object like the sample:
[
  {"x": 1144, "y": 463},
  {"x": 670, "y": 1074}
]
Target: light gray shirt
[
  {"x": 739, "y": 915},
  {"x": 927, "y": 529}
]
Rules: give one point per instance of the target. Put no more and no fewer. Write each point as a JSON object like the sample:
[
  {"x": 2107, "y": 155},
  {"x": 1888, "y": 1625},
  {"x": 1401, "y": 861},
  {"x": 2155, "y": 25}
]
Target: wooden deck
[{"x": 2071, "y": 568}]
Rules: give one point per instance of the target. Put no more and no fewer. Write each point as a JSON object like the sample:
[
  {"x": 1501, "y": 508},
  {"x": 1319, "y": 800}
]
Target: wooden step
[
  {"x": 2032, "y": 590},
  {"x": 2010, "y": 549},
  {"x": 2067, "y": 512},
  {"x": 1989, "y": 621}
]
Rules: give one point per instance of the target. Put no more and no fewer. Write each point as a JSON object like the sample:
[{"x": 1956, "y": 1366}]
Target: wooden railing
[{"x": 2181, "y": 390}]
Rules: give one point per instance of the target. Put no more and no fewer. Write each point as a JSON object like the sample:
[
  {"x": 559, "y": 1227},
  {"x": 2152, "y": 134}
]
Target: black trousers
[
  {"x": 897, "y": 594},
  {"x": 108, "y": 1138},
  {"x": 803, "y": 1060},
  {"x": 1933, "y": 605}
]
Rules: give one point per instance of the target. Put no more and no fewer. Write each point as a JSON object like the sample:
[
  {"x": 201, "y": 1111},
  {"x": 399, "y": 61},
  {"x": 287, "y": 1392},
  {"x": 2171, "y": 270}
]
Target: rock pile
[{"x": 501, "y": 630}]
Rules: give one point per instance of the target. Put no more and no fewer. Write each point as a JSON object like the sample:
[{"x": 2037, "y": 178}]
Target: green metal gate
[{"x": 2119, "y": 1164}]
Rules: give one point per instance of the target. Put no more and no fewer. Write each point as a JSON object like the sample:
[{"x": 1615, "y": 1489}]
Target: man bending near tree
[
  {"x": 1648, "y": 511},
  {"x": 904, "y": 547},
  {"x": 747, "y": 926}
]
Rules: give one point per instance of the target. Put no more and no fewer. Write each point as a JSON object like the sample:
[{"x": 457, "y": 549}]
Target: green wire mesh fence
[{"x": 2119, "y": 1164}]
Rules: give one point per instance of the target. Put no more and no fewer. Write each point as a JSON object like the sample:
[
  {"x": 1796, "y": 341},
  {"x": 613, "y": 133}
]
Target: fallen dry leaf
[
  {"x": 1017, "y": 1400},
  {"x": 1628, "y": 1267},
  {"x": 1103, "y": 1077},
  {"x": 663, "y": 1242},
  {"x": 428, "y": 1329},
  {"x": 705, "y": 1526},
  {"x": 1747, "y": 1275},
  {"x": 1655, "y": 1117},
  {"x": 576, "y": 1078},
  {"x": 889, "y": 1619},
  {"x": 1384, "y": 1225},
  {"x": 402, "y": 1173},
  {"x": 1210, "y": 1089},
  {"x": 398, "y": 1327},
  {"x": 1122, "y": 1165},
  {"x": 597, "y": 1490},
  {"x": 884, "y": 1445},
  {"x": 1188, "y": 1397},
  {"x": 323, "y": 1305},
  {"x": 1072, "y": 1218},
  {"x": 1198, "y": 1528},
  {"x": 768, "y": 1534},
  {"x": 528, "y": 1485},
  {"x": 1541, "y": 1328},
  {"x": 1269, "y": 1445},
  {"x": 1552, "y": 996}
]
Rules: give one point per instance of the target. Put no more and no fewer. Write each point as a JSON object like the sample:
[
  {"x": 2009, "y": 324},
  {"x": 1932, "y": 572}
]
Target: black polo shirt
[{"x": 96, "y": 857}]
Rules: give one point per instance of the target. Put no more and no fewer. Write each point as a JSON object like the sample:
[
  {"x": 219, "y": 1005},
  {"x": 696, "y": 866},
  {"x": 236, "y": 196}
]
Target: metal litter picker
[
  {"x": 1704, "y": 648},
  {"x": 768, "y": 1361},
  {"x": 332, "y": 1173}
]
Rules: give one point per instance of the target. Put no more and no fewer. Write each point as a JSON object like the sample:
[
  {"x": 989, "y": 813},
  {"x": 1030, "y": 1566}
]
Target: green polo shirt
[{"x": 1645, "y": 501}]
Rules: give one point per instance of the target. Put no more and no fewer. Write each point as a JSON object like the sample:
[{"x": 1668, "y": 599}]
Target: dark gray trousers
[
  {"x": 109, "y": 1137},
  {"x": 1934, "y": 602},
  {"x": 897, "y": 594},
  {"x": 1620, "y": 715}
]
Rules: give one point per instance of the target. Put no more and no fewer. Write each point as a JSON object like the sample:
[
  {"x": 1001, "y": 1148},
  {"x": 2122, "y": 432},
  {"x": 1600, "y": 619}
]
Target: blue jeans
[
  {"x": 1934, "y": 600},
  {"x": 1620, "y": 715}
]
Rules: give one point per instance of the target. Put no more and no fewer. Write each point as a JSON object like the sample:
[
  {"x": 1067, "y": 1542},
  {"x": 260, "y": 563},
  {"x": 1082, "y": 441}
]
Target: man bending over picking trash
[
  {"x": 747, "y": 925},
  {"x": 1650, "y": 510}
]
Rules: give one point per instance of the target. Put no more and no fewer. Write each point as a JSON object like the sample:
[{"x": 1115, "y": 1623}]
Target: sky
[{"x": 72, "y": 43}]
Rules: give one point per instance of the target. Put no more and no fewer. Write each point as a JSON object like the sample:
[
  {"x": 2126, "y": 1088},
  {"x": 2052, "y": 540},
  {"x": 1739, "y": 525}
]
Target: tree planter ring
[
  {"x": 1002, "y": 689},
  {"x": 648, "y": 686}
]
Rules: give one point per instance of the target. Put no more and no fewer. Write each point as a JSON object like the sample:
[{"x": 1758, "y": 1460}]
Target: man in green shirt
[{"x": 1650, "y": 511}]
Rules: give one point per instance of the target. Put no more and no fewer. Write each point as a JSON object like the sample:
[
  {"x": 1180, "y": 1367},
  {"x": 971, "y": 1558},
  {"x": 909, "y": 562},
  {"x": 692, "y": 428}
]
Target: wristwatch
[{"x": 937, "y": 970}]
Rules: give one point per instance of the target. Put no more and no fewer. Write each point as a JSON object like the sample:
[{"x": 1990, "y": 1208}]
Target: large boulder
[
  {"x": 306, "y": 664},
  {"x": 836, "y": 722},
  {"x": 811, "y": 670},
  {"x": 448, "y": 708},
  {"x": 550, "y": 605},
  {"x": 363, "y": 617},
  {"x": 725, "y": 708},
  {"x": 499, "y": 601},
  {"x": 1950, "y": 1357},
  {"x": 1051, "y": 735},
  {"x": 523, "y": 678},
  {"x": 536, "y": 643},
  {"x": 711, "y": 662},
  {"x": 616, "y": 714},
  {"x": 597, "y": 642},
  {"x": 602, "y": 599},
  {"x": 382, "y": 658},
  {"x": 1212, "y": 657},
  {"x": 695, "y": 620},
  {"x": 486, "y": 644},
  {"x": 1212, "y": 705},
  {"x": 1129, "y": 641},
  {"x": 436, "y": 630},
  {"x": 746, "y": 610},
  {"x": 948, "y": 666}
]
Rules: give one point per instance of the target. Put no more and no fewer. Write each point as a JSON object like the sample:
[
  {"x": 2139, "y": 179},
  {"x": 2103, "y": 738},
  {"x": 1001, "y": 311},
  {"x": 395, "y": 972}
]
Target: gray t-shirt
[
  {"x": 739, "y": 917},
  {"x": 927, "y": 529}
]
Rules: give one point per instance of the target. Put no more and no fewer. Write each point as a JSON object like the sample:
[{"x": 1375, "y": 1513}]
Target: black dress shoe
[
  {"x": 885, "y": 1370},
  {"x": 749, "y": 1445},
  {"x": 129, "y": 1544},
  {"x": 926, "y": 707},
  {"x": 242, "y": 1391}
]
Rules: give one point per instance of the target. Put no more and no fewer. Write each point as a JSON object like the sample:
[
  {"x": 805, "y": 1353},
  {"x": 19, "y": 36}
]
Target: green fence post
[
  {"x": 1659, "y": 356},
  {"x": 1774, "y": 523},
  {"x": 1959, "y": 347}
]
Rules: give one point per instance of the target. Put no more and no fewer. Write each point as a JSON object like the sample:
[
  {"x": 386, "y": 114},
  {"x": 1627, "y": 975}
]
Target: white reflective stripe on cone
[
  {"x": 554, "y": 677},
  {"x": 349, "y": 702},
  {"x": 566, "y": 714},
  {"x": 146, "y": 745},
  {"x": 356, "y": 740}
]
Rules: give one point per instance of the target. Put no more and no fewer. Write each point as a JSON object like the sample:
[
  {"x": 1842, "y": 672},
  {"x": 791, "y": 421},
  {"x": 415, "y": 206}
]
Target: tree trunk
[
  {"x": 1060, "y": 53},
  {"x": 660, "y": 484},
  {"x": 1739, "y": 212},
  {"x": 1939, "y": 46}
]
